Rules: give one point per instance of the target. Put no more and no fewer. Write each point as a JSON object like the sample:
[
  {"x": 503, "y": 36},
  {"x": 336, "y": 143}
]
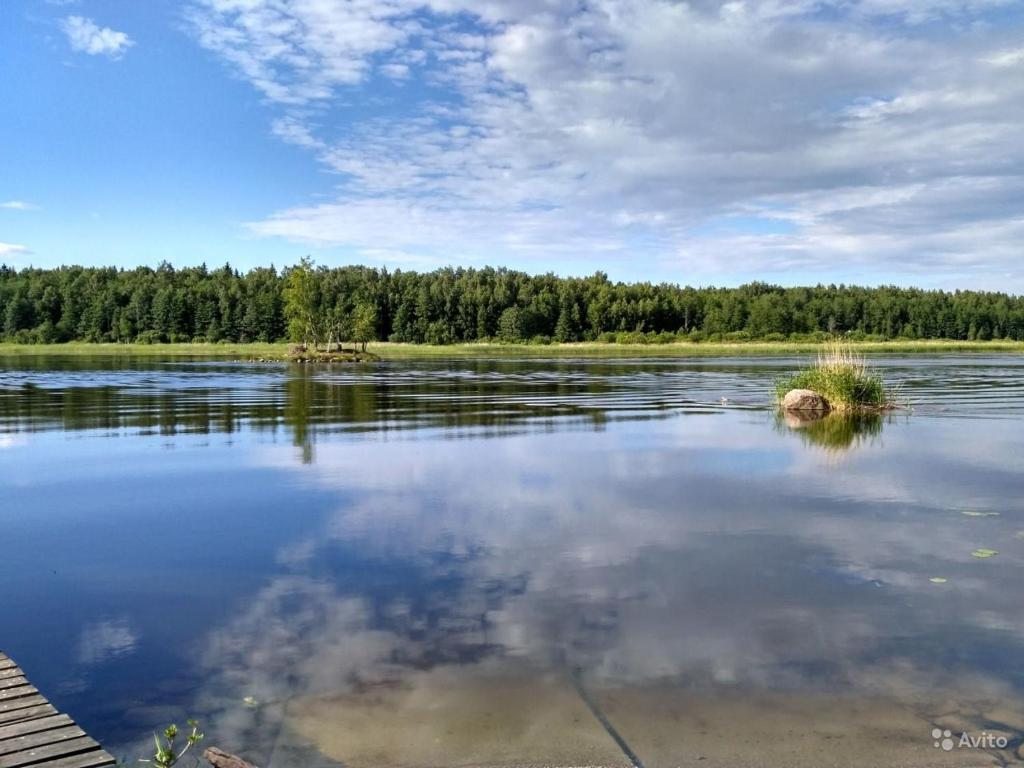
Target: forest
[{"x": 319, "y": 304}]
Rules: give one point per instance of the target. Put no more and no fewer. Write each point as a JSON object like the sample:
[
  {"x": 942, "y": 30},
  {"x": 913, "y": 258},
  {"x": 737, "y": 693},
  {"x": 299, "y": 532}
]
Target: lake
[{"x": 517, "y": 562}]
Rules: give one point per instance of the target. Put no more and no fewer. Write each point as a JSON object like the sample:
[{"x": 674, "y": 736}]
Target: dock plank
[
  {"x": 95, "y": 759},
  {"x": 35, "y": 725},
  {"x": 32, "y": 741},
  {"x": 21, "y": 702},
  {"x": 33, "y": 734},
  {"x": 39, "y": 755},
  {"x": 40, "y": 708},
  {"x": 17, "y": 693}
]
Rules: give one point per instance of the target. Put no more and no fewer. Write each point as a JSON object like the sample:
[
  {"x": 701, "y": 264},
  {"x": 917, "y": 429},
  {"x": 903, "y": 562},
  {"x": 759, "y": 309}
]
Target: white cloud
[
  {"x": 625, "y": 126},
  {"x": 1009, "y": 58},
  {"x": 85, "y": 36},
  {"x": 19, "y": 205},
  {"x": 8, "y": 441},
  {"x": 103, "y": 641},
  {"x": 293, "y": 131},
  {"x": 12, "y": 249},
  {"x": 395, "y": 71}
]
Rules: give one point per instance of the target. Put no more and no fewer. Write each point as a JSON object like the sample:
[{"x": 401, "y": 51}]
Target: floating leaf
[
  {"x": 973, "y": 513},
  {"x": 937, "y": 580},
  {"x": 983, "y": 553}
]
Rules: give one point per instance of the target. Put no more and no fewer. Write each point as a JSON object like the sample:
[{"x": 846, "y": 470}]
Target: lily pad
[
  {"x": 974, "y": 513},
  {"x": 937, "y": 580},
  {"x": 983, "y": 553}
]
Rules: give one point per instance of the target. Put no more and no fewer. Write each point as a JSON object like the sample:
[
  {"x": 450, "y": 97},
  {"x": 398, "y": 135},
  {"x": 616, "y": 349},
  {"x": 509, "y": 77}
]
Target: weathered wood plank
[
  {"x": 34, "y": 735},
  {"x": 42, "y": 739},
  {"x": 94, "y": 759},
  {"x": 39, "y": 754},
  {"x": 22, "y": 703},
  {"x": 17, "y": 693},
  {"x": 34, "y": 726},
  {"x": 40, "y": 708}
]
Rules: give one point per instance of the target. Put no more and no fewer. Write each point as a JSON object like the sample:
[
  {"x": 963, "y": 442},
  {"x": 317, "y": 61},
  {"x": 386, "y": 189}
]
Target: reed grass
[{"x": 840, "y": 375}]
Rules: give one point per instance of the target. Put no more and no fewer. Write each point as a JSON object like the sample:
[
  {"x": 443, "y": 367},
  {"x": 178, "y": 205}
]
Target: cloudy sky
[{"x": 867, "y": 141}]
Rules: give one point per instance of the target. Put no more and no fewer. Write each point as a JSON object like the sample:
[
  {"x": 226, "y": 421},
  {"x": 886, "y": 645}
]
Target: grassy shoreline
[{"x": 393, "y": 351}]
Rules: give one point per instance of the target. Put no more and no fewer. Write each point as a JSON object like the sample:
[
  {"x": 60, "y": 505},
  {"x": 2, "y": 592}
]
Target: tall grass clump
[{"x": 842, "y": 377}]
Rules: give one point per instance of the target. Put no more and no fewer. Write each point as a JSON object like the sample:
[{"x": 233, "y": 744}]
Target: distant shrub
[
  {"x": 630, "y": 337},
  {"x": 438, "y": 333}
]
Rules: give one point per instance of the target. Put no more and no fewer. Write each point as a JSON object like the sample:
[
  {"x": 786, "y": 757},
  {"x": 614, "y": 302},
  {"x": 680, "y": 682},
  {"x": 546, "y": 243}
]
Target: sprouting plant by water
[{"x": 168, "y": 750}]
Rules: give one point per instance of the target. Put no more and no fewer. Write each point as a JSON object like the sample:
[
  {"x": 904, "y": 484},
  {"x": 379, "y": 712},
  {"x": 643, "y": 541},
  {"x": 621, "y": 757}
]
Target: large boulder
[{"x": 805, "y": 401}]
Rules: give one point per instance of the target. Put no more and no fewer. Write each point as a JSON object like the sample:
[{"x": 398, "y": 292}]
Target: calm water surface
[{"x": 516, "y": 562}]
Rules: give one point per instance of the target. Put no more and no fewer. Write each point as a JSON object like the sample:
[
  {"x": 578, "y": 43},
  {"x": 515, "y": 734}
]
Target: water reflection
[
  {"x": 469, "y": 562},
  {"x": 103, "y": 641},
  {"x": 464, "y": 399},
  {"x": 835, "y": 432},
  {"x": 658, "y": 580}
]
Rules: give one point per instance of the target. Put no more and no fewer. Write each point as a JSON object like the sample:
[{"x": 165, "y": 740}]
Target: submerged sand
[
  {"x": 453, "y": 717},
  {"x": 441, "y": 718}
]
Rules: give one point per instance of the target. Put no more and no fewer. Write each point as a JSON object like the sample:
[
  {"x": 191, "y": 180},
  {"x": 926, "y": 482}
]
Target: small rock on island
[{"x": 806, "y": 400}]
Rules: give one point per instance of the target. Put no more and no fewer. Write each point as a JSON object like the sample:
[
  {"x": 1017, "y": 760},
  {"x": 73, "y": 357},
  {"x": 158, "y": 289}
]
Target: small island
[
  {"x": 839, "y": 381},
  {"x": 301, "y": 353}
]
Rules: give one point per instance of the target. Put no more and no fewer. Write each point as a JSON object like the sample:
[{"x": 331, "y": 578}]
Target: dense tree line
[{"x": 355, "y": 303}]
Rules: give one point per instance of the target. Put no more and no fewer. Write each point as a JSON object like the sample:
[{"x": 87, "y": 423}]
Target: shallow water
[{"x": 516, "y": 562}]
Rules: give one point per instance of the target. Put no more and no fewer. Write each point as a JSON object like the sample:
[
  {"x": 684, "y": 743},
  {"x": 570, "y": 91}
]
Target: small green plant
[
  {"x": 167, "y": 752},
  {"x": 842, "y": 377}
]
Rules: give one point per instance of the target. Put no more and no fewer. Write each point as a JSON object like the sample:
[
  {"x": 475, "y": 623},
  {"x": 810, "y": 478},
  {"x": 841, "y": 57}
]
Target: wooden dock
[{"x": 33, "y": 734}]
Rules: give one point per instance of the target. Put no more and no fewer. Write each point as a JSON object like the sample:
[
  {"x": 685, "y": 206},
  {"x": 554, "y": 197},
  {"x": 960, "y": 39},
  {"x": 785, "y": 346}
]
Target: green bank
[{"x": 397, "y": 351}]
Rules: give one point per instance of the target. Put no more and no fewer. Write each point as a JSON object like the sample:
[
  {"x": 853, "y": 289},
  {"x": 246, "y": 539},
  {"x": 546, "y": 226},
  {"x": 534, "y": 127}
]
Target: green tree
[
  {"x": 364, "y": 323},
  {"x": 301, "y": 299},
  {"x": 510, "y": 325}
]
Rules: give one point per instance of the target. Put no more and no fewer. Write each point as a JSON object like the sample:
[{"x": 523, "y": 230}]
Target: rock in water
[
  {"x": 221, "y": 759},
  {"x": 805, "y": 400}
]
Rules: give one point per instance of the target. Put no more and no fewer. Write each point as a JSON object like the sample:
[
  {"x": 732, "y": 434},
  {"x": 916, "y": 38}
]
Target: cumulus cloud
[
  {"x": 881, "y": 135},
  {"x": 12, "y": 249},
  {"x": 86, "y": 36},
  {"x": 103, "y": 641}
]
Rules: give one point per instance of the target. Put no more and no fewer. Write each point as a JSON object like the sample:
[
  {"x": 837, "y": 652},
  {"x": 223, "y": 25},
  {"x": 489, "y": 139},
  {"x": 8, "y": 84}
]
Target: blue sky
[{"x": 867, "y": 141}]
